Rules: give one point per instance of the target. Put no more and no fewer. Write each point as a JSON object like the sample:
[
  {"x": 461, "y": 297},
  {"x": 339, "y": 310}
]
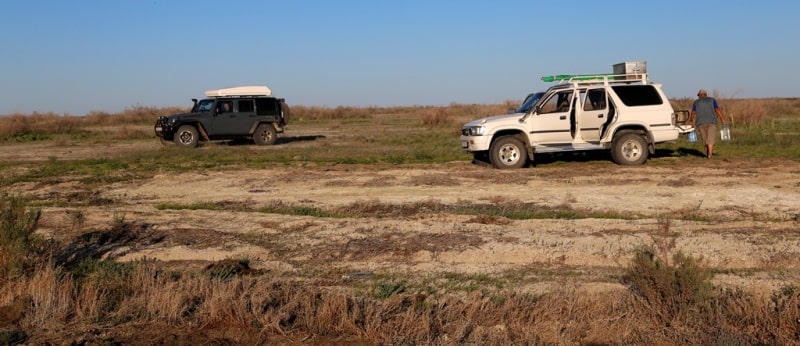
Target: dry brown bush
[
  {"x": 783, "y": 107},
  {"x": 274, "y": 308},
  {"x": 132, "y": 115},
  {"x": 32, "y": 126},
  {"x": 745, "y": 112},
  {"x": 435, "y": 116},
  {"x": 18, "y": 124},
  {"x": 340, "y": 112}
]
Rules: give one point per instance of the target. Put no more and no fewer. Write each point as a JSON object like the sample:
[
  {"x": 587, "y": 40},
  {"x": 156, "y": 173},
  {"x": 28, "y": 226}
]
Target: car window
[
  {"x": 204, "y": 105},
  {"x": 595, "y": 99},
  {"x": 245, "y": 105},
  {"x": 529, "y": 102},
  {"x": 267, "y": 106},
  {"x": 224, "y": 107},
  {"x": 638, "y": 95},
  {"x": 557, "y": 103}
]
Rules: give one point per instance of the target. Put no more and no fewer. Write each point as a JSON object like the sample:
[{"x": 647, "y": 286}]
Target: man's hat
[{"x": 702, "y": 92}]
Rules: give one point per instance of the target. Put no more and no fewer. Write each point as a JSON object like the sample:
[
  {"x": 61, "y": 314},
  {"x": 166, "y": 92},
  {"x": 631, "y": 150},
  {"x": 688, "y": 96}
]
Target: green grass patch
[{"x": 374, "y": 208}]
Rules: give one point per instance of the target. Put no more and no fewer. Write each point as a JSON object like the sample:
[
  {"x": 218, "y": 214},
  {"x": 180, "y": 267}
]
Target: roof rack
[{"x": 604, "y": 78}]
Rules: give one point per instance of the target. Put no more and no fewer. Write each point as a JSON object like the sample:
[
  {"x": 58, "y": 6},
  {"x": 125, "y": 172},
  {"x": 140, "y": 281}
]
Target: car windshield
[
  {"x": 204, "y": 106},
  {"x": 530, "y": 102}
]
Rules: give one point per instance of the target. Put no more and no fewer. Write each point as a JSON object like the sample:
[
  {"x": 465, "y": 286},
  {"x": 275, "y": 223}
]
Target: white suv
[{"x": 623, "y": 113}]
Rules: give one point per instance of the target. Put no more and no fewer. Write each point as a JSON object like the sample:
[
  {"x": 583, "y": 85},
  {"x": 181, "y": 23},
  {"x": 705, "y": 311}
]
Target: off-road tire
[
  {"x": 187, "y": 137},
  {"x": 508, "y": 152},
  {"x": 285, "y": 114},
  {"x": 265, "y": 134},
  {"x": 629, "y": 149}
]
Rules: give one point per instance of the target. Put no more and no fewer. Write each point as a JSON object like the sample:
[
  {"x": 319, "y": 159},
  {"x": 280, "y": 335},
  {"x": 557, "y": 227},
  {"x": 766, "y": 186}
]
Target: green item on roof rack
[{"x": 575, "y": 77}]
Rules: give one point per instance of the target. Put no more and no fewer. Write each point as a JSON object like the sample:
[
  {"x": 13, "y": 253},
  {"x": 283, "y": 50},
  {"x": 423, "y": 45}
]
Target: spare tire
[{"x": 284, "y": 113}]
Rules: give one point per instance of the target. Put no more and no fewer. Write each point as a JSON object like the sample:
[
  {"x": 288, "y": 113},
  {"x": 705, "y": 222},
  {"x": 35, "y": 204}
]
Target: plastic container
[
  {"x": 725, "y": 133},
  {"x": 692, "y": 137}
]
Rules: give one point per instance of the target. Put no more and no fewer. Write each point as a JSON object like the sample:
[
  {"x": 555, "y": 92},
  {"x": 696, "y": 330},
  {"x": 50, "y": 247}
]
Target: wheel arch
[
  {"x": 519, "y": 133},
  {"x": 258, "y": 123},
  {"x": 512, "y": 132},
  {"x": 638, "y": 129}
]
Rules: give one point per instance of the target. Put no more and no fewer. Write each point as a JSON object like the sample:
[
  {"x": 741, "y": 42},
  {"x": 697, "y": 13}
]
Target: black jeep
[{"x": 232, "y": 113}]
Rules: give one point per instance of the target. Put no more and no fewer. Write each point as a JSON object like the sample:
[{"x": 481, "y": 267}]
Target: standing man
[{"x": 705, "y": 112}]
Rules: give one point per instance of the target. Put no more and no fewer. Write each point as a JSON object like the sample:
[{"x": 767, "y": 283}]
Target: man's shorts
[{"x": 708, "y": 133}]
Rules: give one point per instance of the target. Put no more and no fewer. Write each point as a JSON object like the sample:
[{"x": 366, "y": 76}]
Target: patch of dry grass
[
  {"x": 489, "y": 220},
  {"x": 268, "y": 308},
  {"x": 39, "y": 126}
]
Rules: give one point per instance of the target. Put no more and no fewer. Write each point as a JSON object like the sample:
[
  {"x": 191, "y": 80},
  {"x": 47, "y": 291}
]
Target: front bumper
[
  {"x": 475, "y": 143},
  {"x": 163, "y": 129}
]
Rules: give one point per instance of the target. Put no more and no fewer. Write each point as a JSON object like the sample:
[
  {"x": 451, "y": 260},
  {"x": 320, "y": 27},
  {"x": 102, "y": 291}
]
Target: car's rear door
[{"x": 593, "y": 114}]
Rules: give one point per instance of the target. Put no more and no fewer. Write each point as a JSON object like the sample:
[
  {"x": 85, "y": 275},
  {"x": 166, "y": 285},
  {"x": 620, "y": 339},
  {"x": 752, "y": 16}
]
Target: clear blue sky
[{"x": 77, "y": 56}]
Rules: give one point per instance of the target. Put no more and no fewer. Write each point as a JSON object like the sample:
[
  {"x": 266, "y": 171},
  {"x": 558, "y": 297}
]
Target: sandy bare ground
[{"x": 749, "y": 210}]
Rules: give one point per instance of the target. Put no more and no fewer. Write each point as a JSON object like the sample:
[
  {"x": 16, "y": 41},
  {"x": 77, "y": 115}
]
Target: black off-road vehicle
[{"x": 245, "y": 112}]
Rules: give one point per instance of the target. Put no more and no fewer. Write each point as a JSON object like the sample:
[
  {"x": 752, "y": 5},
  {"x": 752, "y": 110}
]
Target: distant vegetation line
[{"x": 20, "y": 127}]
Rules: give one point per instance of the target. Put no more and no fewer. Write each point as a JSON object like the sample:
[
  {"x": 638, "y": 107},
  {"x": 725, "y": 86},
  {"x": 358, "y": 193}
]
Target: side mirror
[{"x": 512, "y": 111}]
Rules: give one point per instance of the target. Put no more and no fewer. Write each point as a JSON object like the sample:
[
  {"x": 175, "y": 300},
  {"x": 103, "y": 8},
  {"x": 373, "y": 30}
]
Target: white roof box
[{"x": 248, "y": 90}]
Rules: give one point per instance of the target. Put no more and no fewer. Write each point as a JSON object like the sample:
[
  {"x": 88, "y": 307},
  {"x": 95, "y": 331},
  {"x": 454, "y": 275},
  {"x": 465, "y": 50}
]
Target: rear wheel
[
  {"x": 508, "y": 152},
  {"x": 187, "y": 136},
  {"x": 629, "y": 149},
  {"x": 265, "y": 135}
]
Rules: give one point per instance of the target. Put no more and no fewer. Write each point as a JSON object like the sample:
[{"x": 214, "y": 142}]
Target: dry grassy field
[{"x": 239, "y": 244}]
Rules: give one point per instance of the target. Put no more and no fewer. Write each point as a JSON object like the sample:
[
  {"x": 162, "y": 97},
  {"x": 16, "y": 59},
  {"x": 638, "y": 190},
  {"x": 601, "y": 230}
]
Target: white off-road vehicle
[{"x": 621, "y": 112}]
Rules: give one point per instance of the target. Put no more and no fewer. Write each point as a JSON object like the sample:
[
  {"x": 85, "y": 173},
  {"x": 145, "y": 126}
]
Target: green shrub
[
  {"x": 670, "y": 288},
  {"x": 20, "y": 247},
  {"x": 385, "y": 289}
]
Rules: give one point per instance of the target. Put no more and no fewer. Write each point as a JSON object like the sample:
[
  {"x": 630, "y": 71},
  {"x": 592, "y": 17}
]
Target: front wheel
[
  {"x": 508, "y": 152},
  {"x": 629, "y": 149},
  {"x": 187, "y": 136},
  {"x": 265, "y": 134}
]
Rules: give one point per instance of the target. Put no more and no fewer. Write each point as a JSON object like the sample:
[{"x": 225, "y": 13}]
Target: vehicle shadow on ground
[
  {"x": 292, "y": 139},
  {"x": 280, "y": 140},
  {"x": 689, "y": 152},
  {"x": 545, "y": 159},
  {"x": 603, "y": 155}
]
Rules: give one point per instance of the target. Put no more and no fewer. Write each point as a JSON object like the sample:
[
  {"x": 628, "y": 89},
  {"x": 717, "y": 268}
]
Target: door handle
[
  {"x": 563, "y": 117},
  {"x": 599, "y": 115}
]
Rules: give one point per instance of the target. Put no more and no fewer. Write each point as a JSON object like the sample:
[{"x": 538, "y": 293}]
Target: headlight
[{"x": 473, "y": 131}]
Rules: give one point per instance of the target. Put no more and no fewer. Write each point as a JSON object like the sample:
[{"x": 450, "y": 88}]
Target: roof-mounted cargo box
[
  {"x": 249, "y": 90},
  {"x": 631, "y": 68}
]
